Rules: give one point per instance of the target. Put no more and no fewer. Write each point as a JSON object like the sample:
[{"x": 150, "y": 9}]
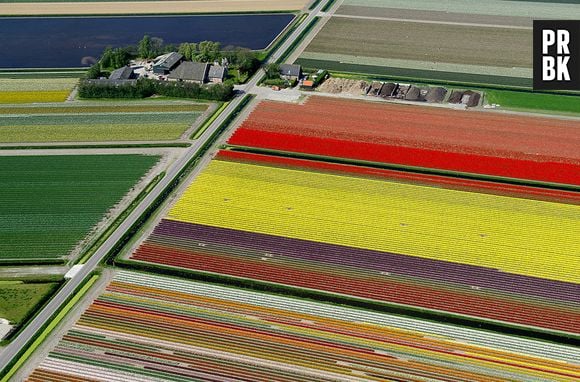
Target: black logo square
[{"x": 556, "y": 54}]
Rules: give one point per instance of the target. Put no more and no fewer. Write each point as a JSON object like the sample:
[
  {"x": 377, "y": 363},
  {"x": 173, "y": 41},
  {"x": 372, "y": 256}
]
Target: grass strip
[
  {"x": 535, "y": 102},
  {"x": 37, "y": 341},
  {"x": 282, "y": 37},
  {"x": 209, "y": 121},
  {"x": 358, "y": 71},
  {"x": 105, "y": 235},
  {"x": 314, "y": 4},
  {"x": 41, "y": 74},
  {"x": 328, "y": 5},
  {"x": 298, "y": 40},
  {"x": 98, "y": 146}
]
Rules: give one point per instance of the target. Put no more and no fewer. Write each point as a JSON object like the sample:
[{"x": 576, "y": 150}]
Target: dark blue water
[{"x": 68, "y": 42}]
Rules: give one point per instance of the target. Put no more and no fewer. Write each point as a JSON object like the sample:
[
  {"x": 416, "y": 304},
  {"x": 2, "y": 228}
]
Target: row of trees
[
  {"x": 144, "y": 87},
  {"x": 245, "y": 60},
  {"x": 205, "y": 51}
]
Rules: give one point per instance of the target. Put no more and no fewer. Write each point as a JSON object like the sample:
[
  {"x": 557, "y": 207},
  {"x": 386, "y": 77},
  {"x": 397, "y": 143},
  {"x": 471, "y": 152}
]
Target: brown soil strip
[
  {"x": 149, "y": 7},
  {"x": 455, "y": 44},
  {"x": 443, "y": 17}
]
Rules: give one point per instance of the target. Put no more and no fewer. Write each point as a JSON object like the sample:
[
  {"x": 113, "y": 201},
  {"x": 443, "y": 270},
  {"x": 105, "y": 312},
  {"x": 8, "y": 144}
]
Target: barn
[{"x": 166, "y": 63}]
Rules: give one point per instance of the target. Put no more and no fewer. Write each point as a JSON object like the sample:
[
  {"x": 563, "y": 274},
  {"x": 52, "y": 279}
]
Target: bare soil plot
[
  {"x": 458, "y": 44},
  {"x": 148, "y": 7},
  {"x": 441, "y": 16},
  {"x": 560, "y": 9}
]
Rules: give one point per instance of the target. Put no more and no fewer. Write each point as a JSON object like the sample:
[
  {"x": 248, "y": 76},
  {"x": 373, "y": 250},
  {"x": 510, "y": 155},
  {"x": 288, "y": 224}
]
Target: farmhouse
[
  {"x": 217, "y": 74},
  {"x": 124, "y": 73},
  {"x": 290, "y": 71},
  {"x": 166, "y": 63},
  {"x": 191, "y": 72}
]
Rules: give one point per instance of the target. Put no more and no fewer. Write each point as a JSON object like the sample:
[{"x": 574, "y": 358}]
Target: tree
[
  {"x": 169, "y": 48},
  {"x": 208, "y": 51},
  {"x": 188, "y": 50},
  {"x": 246, "y": 60},
  {"x": 273, "y": 71},
  {"x": 156, "y": 47},
  {"x": 106, "y": 58},
  {"x": 115, "y": 58},
  {"x": 145, "y": 47},
  {"x": 94, "y": 71}
]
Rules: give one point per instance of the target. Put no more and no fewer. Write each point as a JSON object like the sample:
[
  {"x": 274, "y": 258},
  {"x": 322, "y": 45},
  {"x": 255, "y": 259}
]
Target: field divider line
[
  {"x": 433, "y": 22},
  {"x": 108, "y": 113},
  {"x": 209, "y": 121}
]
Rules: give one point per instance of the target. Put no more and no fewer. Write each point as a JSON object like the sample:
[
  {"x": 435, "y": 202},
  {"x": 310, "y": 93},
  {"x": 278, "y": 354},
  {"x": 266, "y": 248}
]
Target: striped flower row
[{"x": 152, "y": 328}]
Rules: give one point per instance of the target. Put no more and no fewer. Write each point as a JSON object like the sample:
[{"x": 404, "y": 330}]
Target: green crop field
[
  {"x": 97, "y": 123},
  {"x": 416, "y": 75},
  {"x": 50, "y": 203},
  {"x": 18, "y": 299},
  {"x": 548, "y": 103}
]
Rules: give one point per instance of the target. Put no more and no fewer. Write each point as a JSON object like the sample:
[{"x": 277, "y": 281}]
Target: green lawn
[
  {"x": 540, "y": 102},
  {"x": 108, "y": 122},
  {"x": 18, "y": 299},
  {"x": 50, "y": 203}
]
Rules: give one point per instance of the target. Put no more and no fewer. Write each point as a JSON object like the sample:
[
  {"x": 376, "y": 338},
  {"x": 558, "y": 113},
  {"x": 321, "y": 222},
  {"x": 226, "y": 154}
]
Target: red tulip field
[{"x": 475, "y": 142}]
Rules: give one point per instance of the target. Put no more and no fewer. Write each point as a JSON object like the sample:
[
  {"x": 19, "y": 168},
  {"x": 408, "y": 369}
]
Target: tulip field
[
  {"x": 494, "y": 188},
  {"x": 152, "y": 328},
  {"x": 50, "y": 203},
  {"x": 468, "y": 253},
  {"x": 16, "y": 90},
  {"x": 473, "y": 142},
  {"x": 94, "y": 122}
]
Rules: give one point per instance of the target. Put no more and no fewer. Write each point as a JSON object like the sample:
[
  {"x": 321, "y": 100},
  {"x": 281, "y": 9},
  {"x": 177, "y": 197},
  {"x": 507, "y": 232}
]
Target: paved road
[{"x": 26, "y": 335}]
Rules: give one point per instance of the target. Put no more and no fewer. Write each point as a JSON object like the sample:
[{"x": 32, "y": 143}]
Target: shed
[
  {"x": 436, "y": 95},
  {"x": 217, "y": 73},
  {"x": 124, "y": 73},
  {"x": 308, "y": 84},
  {"x": 290, "y": 71},
  {"x": 191, "y": 72},
  {"x": 167, "y": 62}
]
